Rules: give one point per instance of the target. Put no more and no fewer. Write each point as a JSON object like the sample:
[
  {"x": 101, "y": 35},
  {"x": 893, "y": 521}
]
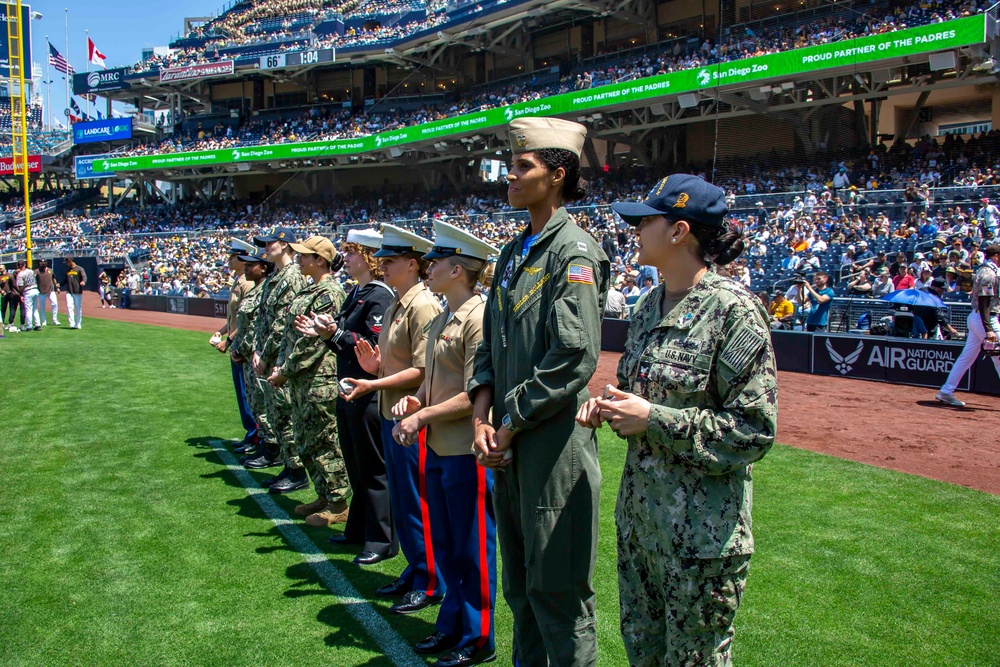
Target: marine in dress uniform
[
  {"x": 402, "y": 345},
  {"x": 277, "y": 294},
  {"x": 459, "y": 491},
  {"x": 541, "y": 342},
  {"x": 699, "y": 363},
  {"x": 311, "y": 371},
  {"x": 369, "y": 522}
]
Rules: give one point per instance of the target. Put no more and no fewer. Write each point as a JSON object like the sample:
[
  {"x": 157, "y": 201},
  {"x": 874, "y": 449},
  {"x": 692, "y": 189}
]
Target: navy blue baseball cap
[
  {"x": 253, "y": 258},
  {"x": 279, "y": 234},
  {"x": 679, "y": 197}
]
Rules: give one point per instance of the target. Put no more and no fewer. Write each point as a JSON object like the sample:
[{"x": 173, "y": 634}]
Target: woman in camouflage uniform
[
  {"x": 697, "y": 400},
  {"x": 310, "y": 369},
  {"x": 241, "y": 350}
]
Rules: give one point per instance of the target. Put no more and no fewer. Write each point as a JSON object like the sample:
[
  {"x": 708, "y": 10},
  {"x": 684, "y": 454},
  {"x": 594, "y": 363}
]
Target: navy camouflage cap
[
  {"x": 279, "y": 234},
  {"x": 679, "y": 197}
]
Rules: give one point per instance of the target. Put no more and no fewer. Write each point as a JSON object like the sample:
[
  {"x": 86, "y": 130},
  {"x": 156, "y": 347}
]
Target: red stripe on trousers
[
  {"x": 425, "y": 513},
  {"x": 484, "y": 570}
]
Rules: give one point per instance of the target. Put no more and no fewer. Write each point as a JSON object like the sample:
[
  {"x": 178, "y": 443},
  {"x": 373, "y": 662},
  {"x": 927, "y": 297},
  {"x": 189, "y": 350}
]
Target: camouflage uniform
[
  {"x": 269, "y": 329},
  {"x": 311, "y": 369},
  {"x": 683, "y": 513},
  {"x": 243, "y": 345}
]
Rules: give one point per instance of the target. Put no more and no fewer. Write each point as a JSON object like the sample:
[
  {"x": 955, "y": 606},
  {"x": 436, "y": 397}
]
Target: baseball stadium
[{"x": 543, "y": 333}]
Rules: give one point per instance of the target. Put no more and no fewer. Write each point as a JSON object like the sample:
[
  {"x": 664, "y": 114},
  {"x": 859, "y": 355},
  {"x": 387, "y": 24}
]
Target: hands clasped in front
[{"x": 627, "y": 413}]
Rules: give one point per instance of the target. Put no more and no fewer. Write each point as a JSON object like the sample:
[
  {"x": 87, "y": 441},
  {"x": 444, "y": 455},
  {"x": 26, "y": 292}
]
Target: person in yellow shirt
[{"x": 782, "y": 311}]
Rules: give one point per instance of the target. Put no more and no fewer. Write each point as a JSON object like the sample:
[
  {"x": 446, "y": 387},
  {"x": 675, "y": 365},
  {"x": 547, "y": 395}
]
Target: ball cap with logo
[
  {"x": 679, "y": 197},
  {"x": 279, "y": 234},
  {"x": 396, "y": 241},
  {"x": 533, "y": 134},
  {"x": 253, "y": 258},
  {"x": 316, "y": 245},
  {"x": 367, "y": 238},
  {"x": 449, "y": 240}
]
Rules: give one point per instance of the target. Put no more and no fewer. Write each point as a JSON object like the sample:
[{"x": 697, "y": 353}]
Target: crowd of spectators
[{"x": 857, "y": 243}]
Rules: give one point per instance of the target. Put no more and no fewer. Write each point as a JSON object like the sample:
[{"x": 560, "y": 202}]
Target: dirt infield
[{"x": 890, "y": 426}]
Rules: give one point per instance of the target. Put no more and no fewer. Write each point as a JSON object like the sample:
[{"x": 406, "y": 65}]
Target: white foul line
[{"x": 392, "y": 645}]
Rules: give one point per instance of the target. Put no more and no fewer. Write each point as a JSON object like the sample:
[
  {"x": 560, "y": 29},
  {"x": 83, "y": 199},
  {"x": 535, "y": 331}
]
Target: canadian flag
[{"x": 93, "y": 55}]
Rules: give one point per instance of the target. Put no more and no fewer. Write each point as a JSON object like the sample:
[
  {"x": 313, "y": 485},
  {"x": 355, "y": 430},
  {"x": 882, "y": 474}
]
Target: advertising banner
[
  {"x": 199, "y": 71},
  {"x": 849, "y": 53},
  {"x": 86, "y": 83},
  {"x": 5, "y": 42},
  {"x": 102, "y": 130},
  {"x": 7, "y": 165},
  {"x": 90, "y": 166},
  {"x": 923, "y": 363}
]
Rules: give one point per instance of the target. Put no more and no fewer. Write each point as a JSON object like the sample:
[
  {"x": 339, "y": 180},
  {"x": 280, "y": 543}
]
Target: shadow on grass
[{"x": 304, "y": 581}]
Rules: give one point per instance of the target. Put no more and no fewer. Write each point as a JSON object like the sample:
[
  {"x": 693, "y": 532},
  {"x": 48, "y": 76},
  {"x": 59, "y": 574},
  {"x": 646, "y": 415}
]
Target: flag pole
[
  {"x": 69, "y": 68},
  {"x": 48, "y": 84},
  {"x": 88, "y": 69}
]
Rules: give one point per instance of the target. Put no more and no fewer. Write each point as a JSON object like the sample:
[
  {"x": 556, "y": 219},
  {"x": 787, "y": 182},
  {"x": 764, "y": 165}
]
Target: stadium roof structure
[{"x": 919, "y": 59}]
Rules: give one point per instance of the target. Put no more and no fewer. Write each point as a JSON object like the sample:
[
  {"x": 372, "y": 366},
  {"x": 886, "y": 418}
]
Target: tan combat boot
[
  {"x": 311, "y": 508},
  {"x": 334, "y": 513}
]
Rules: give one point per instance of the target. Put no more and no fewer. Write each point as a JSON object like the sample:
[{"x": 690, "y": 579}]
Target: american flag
[
  {"x": 579, "y": 273},
  {"x": 56, "y": 60}
]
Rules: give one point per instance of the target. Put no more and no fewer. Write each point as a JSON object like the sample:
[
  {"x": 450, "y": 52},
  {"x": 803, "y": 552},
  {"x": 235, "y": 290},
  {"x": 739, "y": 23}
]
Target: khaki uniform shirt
[
  {"x": 451, "y": 351},
  {"x": 403, "y": 340},
  {"x": 707, "y": 366},
  {"x": 241, "y": 287},
  {"x": 986, "y": 284}
]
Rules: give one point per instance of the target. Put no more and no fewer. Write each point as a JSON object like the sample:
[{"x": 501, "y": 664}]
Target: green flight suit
[
  {"x": 243, "y": 345},
  {"x": 683, "y": 513},
  {"x": 311, "y": 369},
  {"x": 541, "y": 341},
  {"x": 269, "y": 329}
]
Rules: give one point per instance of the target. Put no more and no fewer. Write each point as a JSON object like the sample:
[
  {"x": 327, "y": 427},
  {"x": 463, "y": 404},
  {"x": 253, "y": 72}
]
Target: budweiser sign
[
  {"x": 7, "y": 165},
  {"x": 199, "y": 71}
]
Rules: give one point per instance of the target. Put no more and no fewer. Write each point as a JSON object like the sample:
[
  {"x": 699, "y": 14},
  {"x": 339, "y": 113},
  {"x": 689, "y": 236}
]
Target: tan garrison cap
[
  {"x": 316, "y": 245},
  {"x": 532, "y": 134}
]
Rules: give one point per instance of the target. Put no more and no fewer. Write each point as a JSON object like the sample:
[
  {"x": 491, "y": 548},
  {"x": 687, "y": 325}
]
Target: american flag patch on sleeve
[{"x": 580, "y": 273}]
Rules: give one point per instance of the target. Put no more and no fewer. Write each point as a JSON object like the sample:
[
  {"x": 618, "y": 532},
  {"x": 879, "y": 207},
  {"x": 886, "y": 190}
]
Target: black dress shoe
[
  {"x": 291, "y": 483},
  {"x": 262, "y": 461},
  {"x": 469, "y": 655},
  {"x": 268, "y": 481},
  {"x": 439, "y": 642},
  {"x": 395, "y": 589},
  {"x": 245, "y": 448},
  {"x": 415, "y": 601},
  {"x": 369, "y": 558},
  {"x": 342, "y": 539}
]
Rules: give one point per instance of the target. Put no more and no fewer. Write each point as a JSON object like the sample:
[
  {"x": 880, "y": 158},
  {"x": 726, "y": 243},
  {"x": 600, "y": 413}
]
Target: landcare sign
[{"x": 849, "y": 53}]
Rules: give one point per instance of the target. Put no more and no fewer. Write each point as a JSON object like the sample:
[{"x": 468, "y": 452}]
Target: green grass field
[{"x": 126, "y": 541}]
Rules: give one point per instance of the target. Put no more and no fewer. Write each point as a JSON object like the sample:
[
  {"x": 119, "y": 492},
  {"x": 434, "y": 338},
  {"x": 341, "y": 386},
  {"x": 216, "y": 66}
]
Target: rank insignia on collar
[{"x": 686, "y": 319}]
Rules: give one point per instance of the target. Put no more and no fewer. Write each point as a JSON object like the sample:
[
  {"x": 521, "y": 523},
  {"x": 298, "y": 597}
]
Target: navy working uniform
[{"x": 706, "y": 365}]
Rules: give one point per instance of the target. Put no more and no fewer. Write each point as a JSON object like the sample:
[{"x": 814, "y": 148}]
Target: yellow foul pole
[{"x": 18, "y": 109}]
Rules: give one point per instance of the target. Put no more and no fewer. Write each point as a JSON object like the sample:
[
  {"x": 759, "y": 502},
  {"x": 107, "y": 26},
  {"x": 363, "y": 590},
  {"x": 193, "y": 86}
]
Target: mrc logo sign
[{"x": 896, "y": 360}]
